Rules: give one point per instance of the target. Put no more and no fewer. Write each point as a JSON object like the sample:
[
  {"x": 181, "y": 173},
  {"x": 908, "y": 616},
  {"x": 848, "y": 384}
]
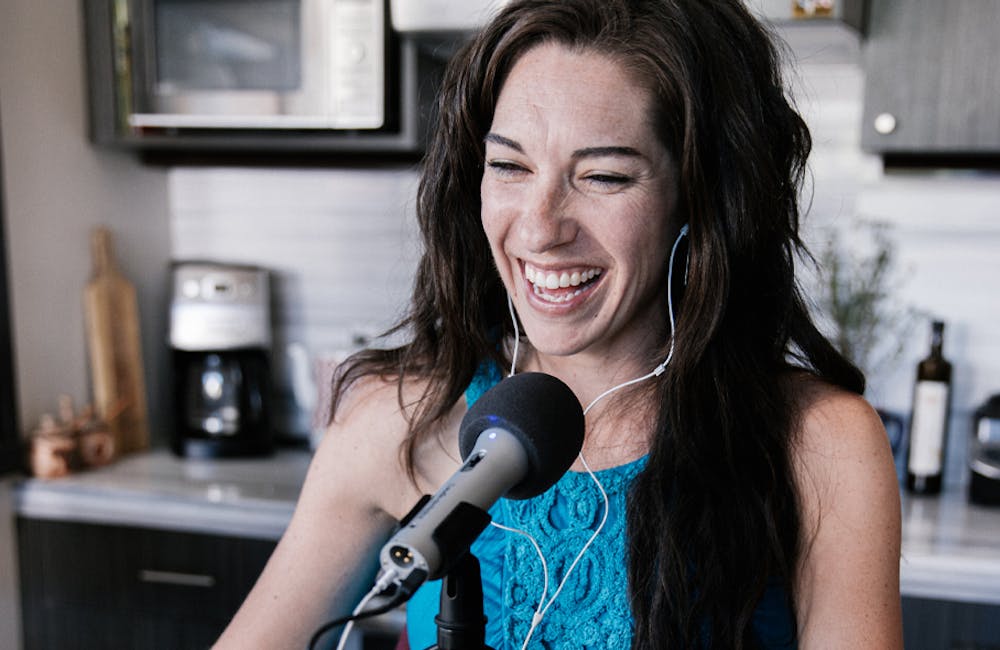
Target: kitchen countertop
[
  {"x": 239, "y": 497},
  {"x": 951, "y": 549}
]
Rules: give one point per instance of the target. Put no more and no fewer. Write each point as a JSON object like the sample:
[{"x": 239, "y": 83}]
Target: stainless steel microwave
[
  {"x": 266, "y": 63},
  {"x": 264, "y": 74}
]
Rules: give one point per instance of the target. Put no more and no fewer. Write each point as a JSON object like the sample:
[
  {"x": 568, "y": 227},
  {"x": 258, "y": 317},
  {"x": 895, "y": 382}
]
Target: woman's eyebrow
[
  {"x": 594, "y": 152},
  {"x": 504, "y": 142},
  {"x": 586, "y": 152}
]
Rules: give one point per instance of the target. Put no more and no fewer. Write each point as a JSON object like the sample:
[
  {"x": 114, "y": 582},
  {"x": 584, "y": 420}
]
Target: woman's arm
[
  {"x": 327, "y": 558},
  {"x": 847, "y": 591}
]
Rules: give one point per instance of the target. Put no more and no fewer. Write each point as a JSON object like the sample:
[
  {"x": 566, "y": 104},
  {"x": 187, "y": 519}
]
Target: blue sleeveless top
[{"x": 592, "y": 610}]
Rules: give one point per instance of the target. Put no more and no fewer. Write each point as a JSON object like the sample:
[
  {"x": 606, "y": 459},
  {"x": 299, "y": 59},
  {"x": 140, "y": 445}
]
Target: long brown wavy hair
[{"x": 715, "y": 514}]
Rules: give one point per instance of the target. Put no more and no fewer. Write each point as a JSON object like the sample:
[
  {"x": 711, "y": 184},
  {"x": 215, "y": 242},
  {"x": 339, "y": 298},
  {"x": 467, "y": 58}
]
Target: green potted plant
[{"x": 859, "y": 305}]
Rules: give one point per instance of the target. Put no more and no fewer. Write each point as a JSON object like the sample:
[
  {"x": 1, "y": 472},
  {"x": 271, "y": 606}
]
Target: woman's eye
[
  {"x": 608, "y": 180},
  {"x": 505, "y": 167}
]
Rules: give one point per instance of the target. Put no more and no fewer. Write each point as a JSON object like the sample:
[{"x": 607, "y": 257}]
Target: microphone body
[
  {"x": 517, "y": 440},
  {"x": 497, "y": 463}
]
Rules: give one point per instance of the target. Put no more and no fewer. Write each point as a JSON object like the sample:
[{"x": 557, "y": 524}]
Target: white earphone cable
[
  {"x": 517, "y": 335},
  {"x": 541, "y": 556},
  {"x": 540, "y": 611}
]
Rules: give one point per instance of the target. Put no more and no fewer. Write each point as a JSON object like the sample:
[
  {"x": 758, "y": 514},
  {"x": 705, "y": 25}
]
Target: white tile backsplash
[
  {"x": 343, "y": 242},
  {"x": 341, "y": 245}
]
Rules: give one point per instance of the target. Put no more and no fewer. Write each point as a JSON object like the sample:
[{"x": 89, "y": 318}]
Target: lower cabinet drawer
[
  {"x": 930, "y": 624},
  {"x": 88, "y": 585}
]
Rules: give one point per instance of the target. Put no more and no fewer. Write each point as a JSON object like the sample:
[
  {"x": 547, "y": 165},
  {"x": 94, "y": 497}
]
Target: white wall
[
  {"x": 57, "y": 187},
  {"x": 341, "y": 243}
]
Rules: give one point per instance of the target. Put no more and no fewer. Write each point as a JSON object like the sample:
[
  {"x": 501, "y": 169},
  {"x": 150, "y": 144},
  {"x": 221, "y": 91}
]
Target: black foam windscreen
[{"x": 544, "y": 415}]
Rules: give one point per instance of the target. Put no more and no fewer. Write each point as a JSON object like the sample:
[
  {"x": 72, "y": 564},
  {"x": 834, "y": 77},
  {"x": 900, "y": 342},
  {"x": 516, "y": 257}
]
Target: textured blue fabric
[
  {"x": 592, "y": 611},
  {"x": 487, "y": 376}
]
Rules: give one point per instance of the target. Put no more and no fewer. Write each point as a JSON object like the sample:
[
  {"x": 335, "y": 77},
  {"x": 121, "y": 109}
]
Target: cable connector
[
  {"x": 410, "y": 584},
  {"x": 386, "y": 578}
]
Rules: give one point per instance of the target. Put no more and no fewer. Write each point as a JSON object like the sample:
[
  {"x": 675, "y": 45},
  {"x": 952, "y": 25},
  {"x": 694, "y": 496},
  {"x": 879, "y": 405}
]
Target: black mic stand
[{"x": 461, "y": 624}]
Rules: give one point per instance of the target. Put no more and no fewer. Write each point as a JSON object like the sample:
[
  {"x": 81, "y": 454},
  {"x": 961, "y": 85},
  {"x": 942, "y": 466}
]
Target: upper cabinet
[{"x": 932, "y": 85}]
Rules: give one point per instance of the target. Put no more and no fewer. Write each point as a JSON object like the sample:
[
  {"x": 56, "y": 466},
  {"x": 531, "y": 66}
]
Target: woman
[{"x": 637, "y": 166}]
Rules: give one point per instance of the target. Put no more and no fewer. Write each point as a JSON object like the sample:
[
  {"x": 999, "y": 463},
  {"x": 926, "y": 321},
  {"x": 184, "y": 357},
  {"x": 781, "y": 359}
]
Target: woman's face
[{"x": 577, "y": 202}]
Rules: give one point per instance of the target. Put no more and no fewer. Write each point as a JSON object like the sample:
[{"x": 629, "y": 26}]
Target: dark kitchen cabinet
[
  {"x": 98, "y": 586},
  {"x": 932, "y": 86},
  {"x": 947, "y": 625}
]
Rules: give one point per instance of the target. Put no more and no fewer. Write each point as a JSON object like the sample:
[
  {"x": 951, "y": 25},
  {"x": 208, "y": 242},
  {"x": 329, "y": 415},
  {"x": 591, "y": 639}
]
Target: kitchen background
[{"x": 341, "y": 239}]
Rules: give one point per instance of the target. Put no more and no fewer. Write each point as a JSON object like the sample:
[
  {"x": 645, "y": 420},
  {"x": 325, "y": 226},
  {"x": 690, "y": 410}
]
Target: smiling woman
[{"x": 593, "y": 160}]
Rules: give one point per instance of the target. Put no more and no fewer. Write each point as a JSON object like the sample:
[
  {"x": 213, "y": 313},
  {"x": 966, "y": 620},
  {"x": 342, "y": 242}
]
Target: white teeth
[
  {"x": 542, "y": 282},
  {"x": 553, "y": 280},
  {"x": 550, "y": 298}
]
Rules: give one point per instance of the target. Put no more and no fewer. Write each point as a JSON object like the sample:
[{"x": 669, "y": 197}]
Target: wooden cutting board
[{"x": 116, "y": 370}]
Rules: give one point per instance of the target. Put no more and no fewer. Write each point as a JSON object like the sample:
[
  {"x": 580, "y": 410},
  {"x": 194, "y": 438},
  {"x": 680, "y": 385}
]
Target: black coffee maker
[{"x": 220, "y": 340}]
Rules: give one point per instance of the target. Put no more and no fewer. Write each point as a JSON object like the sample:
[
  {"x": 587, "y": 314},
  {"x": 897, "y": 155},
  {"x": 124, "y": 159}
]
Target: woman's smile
[{"x": 560, "y": 285}]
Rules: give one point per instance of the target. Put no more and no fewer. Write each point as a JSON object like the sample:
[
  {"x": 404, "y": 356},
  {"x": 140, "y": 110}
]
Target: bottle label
[{"x": 930, "y": 414}]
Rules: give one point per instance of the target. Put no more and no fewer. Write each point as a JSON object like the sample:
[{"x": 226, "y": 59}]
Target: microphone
[{"x": 517, "y": 440}]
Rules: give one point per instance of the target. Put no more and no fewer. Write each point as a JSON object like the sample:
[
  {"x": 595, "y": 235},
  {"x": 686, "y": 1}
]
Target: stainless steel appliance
[
  {"x": 294, "y": 64},
  {"x": 984, "y": 454},
  {"x": 220, "y": 340},
  {"x": 288, "y": 77}
]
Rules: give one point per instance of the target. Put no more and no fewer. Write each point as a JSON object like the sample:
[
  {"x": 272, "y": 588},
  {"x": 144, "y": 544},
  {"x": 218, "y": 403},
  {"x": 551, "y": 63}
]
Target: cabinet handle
[{"x": 176, "y": 578}]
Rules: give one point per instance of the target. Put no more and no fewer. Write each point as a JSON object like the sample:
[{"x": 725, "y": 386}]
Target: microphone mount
[{"x": 461, "y": 624}]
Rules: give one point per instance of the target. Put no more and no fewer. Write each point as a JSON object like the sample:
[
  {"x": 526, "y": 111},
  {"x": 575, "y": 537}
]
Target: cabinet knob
[{"x": 885, "y": 123}]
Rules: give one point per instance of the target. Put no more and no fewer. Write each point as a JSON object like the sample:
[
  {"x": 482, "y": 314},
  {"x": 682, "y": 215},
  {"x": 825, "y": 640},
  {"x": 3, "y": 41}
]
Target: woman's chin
[{"x": 553, "y": 343}]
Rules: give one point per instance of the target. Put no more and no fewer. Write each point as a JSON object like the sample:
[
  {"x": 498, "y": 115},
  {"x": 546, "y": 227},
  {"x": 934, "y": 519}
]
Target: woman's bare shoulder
[
  {"x": 832, "y": 419},
  {"x": 367, "y": 436},
  {"x": 848, "y": 577},
  {"x": 840, "y": 443}
]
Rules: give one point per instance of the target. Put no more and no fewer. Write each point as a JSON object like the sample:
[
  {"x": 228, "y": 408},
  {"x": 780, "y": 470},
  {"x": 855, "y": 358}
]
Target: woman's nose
[{"x": 546, "y": 219}]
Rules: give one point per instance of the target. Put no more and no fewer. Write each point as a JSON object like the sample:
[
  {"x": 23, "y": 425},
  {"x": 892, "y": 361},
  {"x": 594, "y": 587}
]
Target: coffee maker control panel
[{"x": 219, "y": 307}]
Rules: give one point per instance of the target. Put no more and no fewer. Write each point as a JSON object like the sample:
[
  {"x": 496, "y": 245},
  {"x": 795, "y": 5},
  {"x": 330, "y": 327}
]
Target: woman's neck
[
  {"x": 619, "y": 425},
  {"x": 589, "y": 376}
]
